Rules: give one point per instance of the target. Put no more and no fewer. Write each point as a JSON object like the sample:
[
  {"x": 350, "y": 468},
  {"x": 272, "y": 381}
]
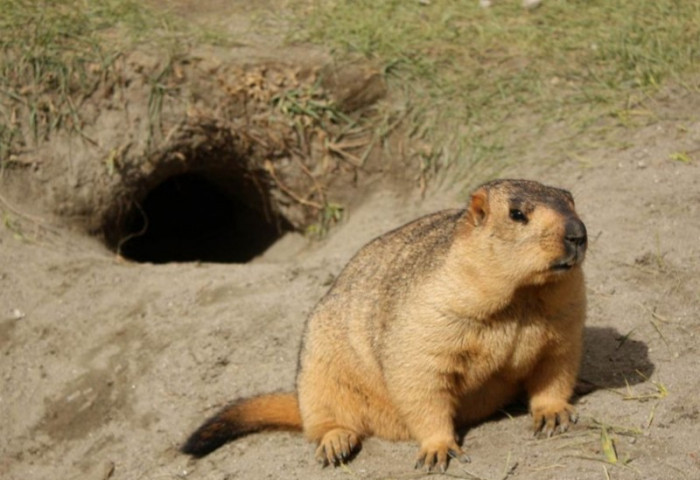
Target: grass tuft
[{"x": 55, "y": 55}]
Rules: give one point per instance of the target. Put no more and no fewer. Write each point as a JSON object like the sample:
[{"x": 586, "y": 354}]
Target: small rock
[{"x": 530, "y": 4}]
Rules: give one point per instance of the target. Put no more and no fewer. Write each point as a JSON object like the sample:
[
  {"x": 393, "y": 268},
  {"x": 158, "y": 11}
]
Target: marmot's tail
[{"x": 278, "y": 411}]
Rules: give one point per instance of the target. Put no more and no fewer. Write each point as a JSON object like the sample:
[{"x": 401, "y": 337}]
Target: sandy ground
[{"x": 108, "y": 365}]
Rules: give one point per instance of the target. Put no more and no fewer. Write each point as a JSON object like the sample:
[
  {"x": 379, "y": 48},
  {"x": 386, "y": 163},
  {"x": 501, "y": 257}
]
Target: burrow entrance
[
  {"x": 254, "y": 157},
  {"x": 189, "y": 218},
  {"x": 210, "y": 202}
]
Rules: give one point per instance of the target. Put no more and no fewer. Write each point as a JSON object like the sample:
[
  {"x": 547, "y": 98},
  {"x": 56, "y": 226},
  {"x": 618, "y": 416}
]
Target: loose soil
[{"x": 108, "y": 363}]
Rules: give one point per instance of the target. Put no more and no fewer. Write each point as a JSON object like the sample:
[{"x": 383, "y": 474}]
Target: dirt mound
[{"x": 276, "y": 143}]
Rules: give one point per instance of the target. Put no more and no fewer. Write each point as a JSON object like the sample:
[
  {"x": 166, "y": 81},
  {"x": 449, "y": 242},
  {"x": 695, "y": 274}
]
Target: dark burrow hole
[{"x": 188, "y": 217}]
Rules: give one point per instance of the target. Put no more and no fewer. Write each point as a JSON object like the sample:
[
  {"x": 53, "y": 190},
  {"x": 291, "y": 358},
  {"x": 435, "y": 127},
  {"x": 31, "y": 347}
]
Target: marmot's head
[{"x": 526, "y": 231}]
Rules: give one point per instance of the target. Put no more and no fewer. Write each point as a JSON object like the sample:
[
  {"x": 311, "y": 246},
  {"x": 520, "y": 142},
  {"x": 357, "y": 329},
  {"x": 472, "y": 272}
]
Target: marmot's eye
[{"x": 517, "y": 215}]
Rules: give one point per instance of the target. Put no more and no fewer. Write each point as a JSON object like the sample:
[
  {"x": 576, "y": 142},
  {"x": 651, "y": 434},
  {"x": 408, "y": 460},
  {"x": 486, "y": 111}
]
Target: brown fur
[{"x": 438, "y": 324}]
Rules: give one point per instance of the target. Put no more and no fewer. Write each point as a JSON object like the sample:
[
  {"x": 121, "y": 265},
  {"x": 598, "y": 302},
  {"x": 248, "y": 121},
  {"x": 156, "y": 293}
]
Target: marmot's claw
[
  {"x": 436, "y": 455},
  {"x": 574, "y": 417},
  {"x": 460, "y": 456}
]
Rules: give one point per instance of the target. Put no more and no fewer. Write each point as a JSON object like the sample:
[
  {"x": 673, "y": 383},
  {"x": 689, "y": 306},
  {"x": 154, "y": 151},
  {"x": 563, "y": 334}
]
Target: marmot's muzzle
[
  {"x": 575, "y": 243},
  {"x": 575, "y": 234}
]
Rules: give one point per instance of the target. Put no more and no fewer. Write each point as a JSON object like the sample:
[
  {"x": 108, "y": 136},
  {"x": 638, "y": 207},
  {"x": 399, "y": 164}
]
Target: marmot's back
[{"x": 385, "y": 269}]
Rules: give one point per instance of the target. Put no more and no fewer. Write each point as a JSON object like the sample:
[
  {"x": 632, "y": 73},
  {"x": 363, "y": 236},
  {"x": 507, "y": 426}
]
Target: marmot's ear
[
  {"x": 569, "y": 196},
  {"x": 478, "y": 208}
]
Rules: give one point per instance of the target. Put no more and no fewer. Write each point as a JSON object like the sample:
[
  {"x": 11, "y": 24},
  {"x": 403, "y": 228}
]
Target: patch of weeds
[
  {"x": 55, "y": 55},
  {"x": 330, "y": 214},
  {"x": 682, "y": 157},
  {"x": 311, "y": 107},
  {"x": 630, "y": 116},
  {"x": 50, "y": 57},
  {"x": 13, "y": 225},
  {"x": 317, "y": 119},
  {"x": 506, "y": 73},
  {"x": 8, "y": 134},
  {"x": 157, "y": 92}
]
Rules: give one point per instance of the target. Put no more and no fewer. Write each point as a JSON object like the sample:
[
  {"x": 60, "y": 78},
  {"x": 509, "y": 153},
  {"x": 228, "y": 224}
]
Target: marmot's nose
[{"x": 575, "y": 232}]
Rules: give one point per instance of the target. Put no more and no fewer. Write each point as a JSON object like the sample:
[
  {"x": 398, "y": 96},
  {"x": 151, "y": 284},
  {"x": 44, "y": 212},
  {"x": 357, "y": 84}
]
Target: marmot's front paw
[
  {"x": 337, "y": 446},
  {"x": 435, "y": 453},
  {"x": 553, "y": 418}
]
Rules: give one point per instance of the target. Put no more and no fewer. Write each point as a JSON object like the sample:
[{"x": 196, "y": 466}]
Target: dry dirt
[{"x": 108, "y": 365}]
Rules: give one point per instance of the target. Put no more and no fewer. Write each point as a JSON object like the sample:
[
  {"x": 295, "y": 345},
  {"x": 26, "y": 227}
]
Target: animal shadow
[{"x": 612, "y": 360}]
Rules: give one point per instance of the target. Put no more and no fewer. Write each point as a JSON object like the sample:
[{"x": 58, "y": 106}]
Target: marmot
[{"x": 434, "y": 326}]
